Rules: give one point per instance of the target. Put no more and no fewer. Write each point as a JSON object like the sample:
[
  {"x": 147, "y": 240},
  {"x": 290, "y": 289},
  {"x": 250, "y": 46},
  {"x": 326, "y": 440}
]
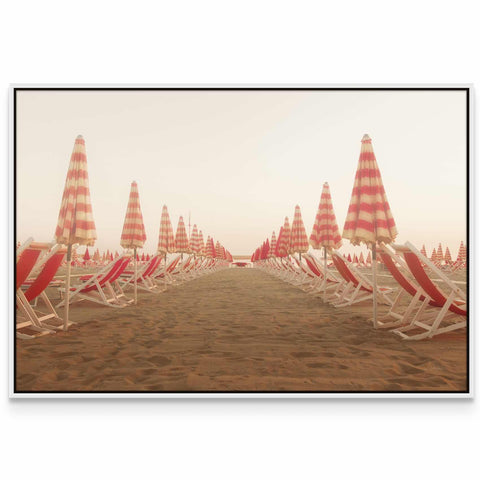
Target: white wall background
[{"x": 213, "y": 41}]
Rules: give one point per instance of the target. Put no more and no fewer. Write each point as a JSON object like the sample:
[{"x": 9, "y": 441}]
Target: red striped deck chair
[
  {"x": 27, "y": 257},
  {"x": 321, "y": 276},
  {"x": 103, "y": 287},
  {"x": 35, "y": 289},
  {"x": 451, "y": 306},
  {"x": 357, "y": 288},
  {"x": 145, "y": 276},
  {"x": 165, "y": 275}
]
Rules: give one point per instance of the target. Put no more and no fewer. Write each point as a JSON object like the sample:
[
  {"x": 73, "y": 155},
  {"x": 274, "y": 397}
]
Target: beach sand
[{"x": 232, "y": 331}]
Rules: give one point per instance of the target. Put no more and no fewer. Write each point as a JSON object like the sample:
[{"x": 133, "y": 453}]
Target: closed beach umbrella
[
  {"x": 166, "y": 240},
  {"x": 218, "y": 250},
  {"x": 462, "y": 253},
  {"x": 423, "y": 251},
  {"x": 133, "y": 233},
  {"x": 433, "y": 257},
  {"x": 284, "y": 243},
  {"x": 439, "y": 253},
  {"x": 194, "y": 243},
  {"x": 279, "y": 242},
  {"x": 209, "y": 248},
  {"x": 325, "y": 231},
  {"x": 298, "y": 235},
  {"x": 181, "y": 239},
  {"x": 75, "y": 219},
  {"x": 201, "y": 244},
  {"x": 273, "y": 245},
  {"x": 447, "y": 257},
  {"x": 86, "y": 255},
  {"x": 369, "y": 219}
]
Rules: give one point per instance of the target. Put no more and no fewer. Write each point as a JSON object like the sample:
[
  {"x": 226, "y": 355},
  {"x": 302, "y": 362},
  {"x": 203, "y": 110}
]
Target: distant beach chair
[
  {"x": 35, "y": 319},
  {"x": 144, "y": 277},
  {"x": 451, "y": 305},
  {"x": 357, "y": 287},
  {"x": 320, "y": 276},
  {"x": 102, "y": 287}
]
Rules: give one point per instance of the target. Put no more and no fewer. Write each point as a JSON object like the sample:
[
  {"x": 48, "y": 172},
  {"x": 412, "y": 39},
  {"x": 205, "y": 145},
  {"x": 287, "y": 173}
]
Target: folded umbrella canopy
[
  {"x": 181, "y": 240},
  {"x": 298, "y": 235},
  {"x": 284, "y": 241},
  {"x": 75, "y": 219},
  {"x": 166, "y": 241},
  {"x": 194, "y": 243},
  {"x": 369, "y": 219},
  {"x": 273, "y": 245},
  {"x": 201, "y": 243},
  {"x": 133, "y": 232}
]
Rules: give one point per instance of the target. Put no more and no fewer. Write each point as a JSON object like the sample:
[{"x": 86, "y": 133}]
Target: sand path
[{"x": 235, "y": 330}]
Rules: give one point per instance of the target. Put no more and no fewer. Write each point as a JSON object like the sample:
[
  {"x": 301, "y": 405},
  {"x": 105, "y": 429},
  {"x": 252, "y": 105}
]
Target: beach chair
[
  {"x": 145, "y": 276},
  {"x": 451, "y": 305},
  {"x": 320, "y": 277},
  {"x": 357, "y": 287},
  {"x": 35, "y": 319},
  {"x": 103, "y": 287}
]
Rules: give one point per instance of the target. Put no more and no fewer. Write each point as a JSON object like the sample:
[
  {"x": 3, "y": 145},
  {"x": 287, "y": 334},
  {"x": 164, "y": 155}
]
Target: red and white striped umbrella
[
  {"x": 433, "y": 258},
  {"x": 218, "y": 250},
  {"x": 279, "y": 242},
  {"x": 86, "y": 255},
  {"x": 75, "y": 219},
  {"x": 462, "y": 253},
  {"x": 298, "y": 235},
  {"x": 325, "y": 231},
  {"x": 166, "y": 241},
  {"x": 201, "y": 243},
  {"x": 133, "y": 233},
  {"x": 209, "y": 248},
  {"x": 368, "y": 261},
  {"x": 448, "y": 256},
  {"x": 273, "y": 245},
  {"x": 361, "y": 260},
  {"x": 284, "y": 242},
  {"x": 439, "y": 253},
  {"x": 423, "y": 251},
  {"x": 194, "y": 243},
  {"x": 181, "y": 238},
  {"x": 369, "y": 218}
]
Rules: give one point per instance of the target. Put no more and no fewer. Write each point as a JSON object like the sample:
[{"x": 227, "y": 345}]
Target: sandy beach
[{"x": 235, "y": 330}]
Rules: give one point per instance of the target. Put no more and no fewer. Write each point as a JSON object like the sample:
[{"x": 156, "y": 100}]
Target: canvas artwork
[{"x": 240, "y": 240}]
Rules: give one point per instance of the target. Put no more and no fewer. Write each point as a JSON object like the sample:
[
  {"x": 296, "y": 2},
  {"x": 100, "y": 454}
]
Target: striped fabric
[
  {"x": 75, "y": 219},
  {"x": 133, "y": 233},
  {"x": 447, "y": 257},
  {"x": 218, "y": 250},
  {"x": 325, "y": 231},
  {"x": 273, "y": 245},
  {"x": 298, "y": 236},
  {"x": 361, "y": 259},
  {"x": 368, "y": 261},
  {"x": 209, "y": 248},
  {"x": 166, "y": 241},
  {"x": 194, "y": 243},
  {"x": 369, "y": 218},
  {"x": 439, "y": 253},
  {"x": 423, "y": 251},
  {"x": 279, "y": 242},
  {"x": 433, "y": 258},
  {"x": 86, "y": 255},
  {"x": 284, "y": 243},
  {"x": 462, "y": 253},
  {"x": 181, "y": 238},
  {"x": 201, "y": 243}
]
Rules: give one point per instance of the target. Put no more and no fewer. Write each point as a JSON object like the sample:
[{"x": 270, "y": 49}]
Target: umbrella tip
[
  {"x": 366, "y": 138},
  {"x": 79, "y": 137}
]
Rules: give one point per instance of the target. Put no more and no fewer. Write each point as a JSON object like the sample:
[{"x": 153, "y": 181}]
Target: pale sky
[{"x": 239, "y": 161}]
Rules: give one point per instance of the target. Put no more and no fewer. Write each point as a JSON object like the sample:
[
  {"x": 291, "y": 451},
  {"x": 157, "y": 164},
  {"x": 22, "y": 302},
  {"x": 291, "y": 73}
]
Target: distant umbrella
[
  {"x": 181, "y": 239},
  {"x": 298, "y": 235},
  {"x": 284, "y": 243},
  {"x": 273, "y": 245}
]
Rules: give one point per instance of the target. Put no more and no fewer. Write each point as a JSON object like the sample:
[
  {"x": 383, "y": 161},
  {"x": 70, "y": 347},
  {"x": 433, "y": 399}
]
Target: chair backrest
[
  {"x": 421, "y": 276},
  {"x": 152, "y": 266},
  {"x": 50, "y": 268},
  {"x": 27, "y": 260},
  {"x": 313, "y": 268},
  {"x": 107, "y": 273},
  {"x": 173, "y": 264},
  {"x": 343, "y": 269}
]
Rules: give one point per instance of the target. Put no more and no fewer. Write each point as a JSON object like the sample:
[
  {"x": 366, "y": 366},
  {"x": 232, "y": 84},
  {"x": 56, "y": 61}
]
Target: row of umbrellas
[
  {"x": 369, "y": 218},
  {"x": 76, "y": 225}
]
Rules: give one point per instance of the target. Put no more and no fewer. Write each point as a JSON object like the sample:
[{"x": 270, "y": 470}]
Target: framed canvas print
[{"x": 240, "y": 241}]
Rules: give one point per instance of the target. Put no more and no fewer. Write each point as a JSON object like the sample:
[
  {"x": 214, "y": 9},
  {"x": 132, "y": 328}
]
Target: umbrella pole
[
  {"x": 67, "y": 288},
  {"x": 324, "y": 274},
  {"x": 135, "y": 268},
  {"x": 374, "y": 267},
  {"x": 165, "y": 272}
]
